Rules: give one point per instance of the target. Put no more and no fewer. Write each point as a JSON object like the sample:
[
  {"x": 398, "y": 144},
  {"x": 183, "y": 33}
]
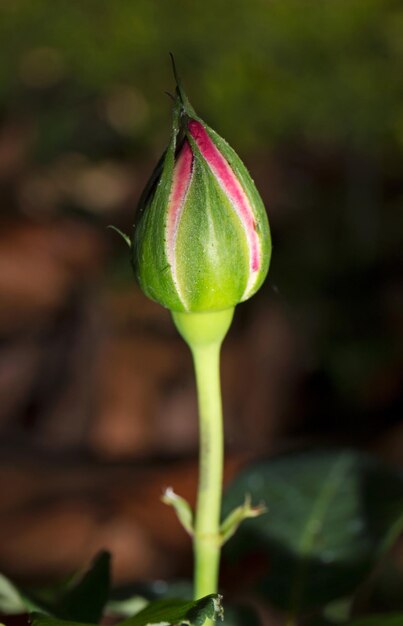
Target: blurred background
[{"x": 98, "y": 407}]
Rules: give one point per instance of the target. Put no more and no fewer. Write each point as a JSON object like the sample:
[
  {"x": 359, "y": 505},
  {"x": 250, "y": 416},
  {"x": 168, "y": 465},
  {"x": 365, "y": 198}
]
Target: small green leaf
[
  {"x": 182, "y": 509},
  {"x": 246, "y": 511},
  {"x": 161, "y": 612}
]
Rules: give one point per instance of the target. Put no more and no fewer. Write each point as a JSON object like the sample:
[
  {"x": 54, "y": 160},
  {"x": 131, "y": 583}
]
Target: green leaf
[
  {"x": 331, "y": 515},
  {"x": 129, "y": 600},
  {"x": 177, "y": 612},
  {"x": 85, "y": 600},
  {"x": 14, "y": 600},
  {"x": 10, "y": 598},
  {"x": 122, "y": 600},
  {"x": 11, "y": 601},
  {"x": 169, "y": 612}
]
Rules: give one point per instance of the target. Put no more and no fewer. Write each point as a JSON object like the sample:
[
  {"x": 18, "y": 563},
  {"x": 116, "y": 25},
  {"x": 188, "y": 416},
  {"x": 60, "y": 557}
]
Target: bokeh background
[{"x": 98, "y": 407}]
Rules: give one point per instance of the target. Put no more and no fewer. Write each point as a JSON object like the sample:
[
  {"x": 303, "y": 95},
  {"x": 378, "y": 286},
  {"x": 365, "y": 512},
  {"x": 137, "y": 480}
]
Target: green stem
[
  {"x": 208, "y": 509},
  {"x": 204, "y": 333}
]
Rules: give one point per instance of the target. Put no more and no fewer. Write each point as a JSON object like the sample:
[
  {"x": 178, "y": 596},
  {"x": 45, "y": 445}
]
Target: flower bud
[{"x": 201, "y": 240}]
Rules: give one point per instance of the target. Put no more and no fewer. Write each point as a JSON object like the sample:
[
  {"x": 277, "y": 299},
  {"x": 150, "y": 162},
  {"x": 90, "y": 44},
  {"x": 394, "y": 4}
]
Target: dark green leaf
[
  {"x": 82, "y": 598},
  {"x": 10, "y": 597},
  {"x": 174, "y": 612},
  {"x": 330, "y": 514},
  {"x": 129, "y": 600},
  {"x": 168, "y": 612},
  {"x": 126, "y": 601},
  {"x": 85, "y": 600},
  {"x": 14, "y": 600},
  {"x": 11, "y": 600}
]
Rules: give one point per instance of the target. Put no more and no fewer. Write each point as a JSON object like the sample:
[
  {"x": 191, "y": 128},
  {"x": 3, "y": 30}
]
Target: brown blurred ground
[
  {"x": 93, "y": 378},
  {"x": 98, "y": 411}
]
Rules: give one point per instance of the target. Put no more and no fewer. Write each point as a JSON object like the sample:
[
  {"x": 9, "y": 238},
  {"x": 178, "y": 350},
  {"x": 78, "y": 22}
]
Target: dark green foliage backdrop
[{"x": 327, "y": 72}]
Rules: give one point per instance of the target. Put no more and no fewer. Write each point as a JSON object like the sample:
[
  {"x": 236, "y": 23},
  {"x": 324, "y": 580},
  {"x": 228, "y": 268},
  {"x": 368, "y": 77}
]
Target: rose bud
[{"x": 201, "y": 240}]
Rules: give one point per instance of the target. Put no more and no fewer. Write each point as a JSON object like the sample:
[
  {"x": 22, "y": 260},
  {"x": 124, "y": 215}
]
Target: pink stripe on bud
[
  {"x": 182, "y": 176},
  {"x": 233, "y": 189}
]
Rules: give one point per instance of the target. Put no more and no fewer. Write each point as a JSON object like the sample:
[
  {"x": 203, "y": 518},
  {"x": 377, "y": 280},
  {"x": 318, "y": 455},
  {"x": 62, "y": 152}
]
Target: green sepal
[
  {"x": 125, "y": 237},
  {"x": 180, "y": 92},
  {"x": 149, "y": 258}
]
